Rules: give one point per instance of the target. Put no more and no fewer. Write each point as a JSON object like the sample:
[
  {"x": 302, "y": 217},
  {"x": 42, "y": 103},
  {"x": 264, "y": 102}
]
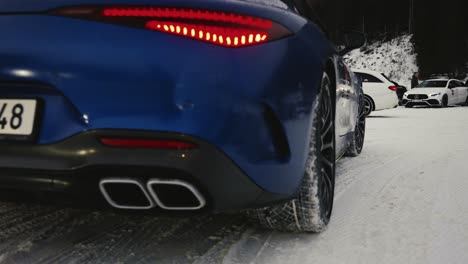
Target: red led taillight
[
  {"x": 193, "y": 14},
  {"x": 146, "y": 143},
  {"x": 393, "y": 88},
  {"x": 229, "y": 37},
  {"x": 221, "y": 28}
]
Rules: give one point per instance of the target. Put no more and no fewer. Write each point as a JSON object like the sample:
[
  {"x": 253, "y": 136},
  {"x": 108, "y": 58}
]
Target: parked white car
[
  {"x": 437, "y": 92},
  {"x": 379, "y": 91}
]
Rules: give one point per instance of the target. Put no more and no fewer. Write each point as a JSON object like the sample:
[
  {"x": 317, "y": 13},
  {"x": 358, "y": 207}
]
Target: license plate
[
  {"x": 17, "y": 117},
  {"x": 418, "y": 101}
]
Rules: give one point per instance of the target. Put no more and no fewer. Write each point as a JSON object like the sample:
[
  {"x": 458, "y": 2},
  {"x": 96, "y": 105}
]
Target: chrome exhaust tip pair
[{"x": 130, "y": 194}]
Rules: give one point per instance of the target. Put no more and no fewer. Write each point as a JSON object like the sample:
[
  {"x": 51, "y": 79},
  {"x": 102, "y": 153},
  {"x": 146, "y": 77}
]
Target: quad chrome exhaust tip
[
  {"x": 175, "y": 195},
  {"x": 126, "y": 194}
]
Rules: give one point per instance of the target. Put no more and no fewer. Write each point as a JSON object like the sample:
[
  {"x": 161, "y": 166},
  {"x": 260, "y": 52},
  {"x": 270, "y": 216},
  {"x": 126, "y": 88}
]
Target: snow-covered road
[{"x": 404, "y": 200}]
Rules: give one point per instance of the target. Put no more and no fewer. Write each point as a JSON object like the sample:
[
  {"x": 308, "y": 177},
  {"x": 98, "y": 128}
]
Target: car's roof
[
  {"x": 445, "y": 80},
  {"x": 366, "y": 71}
]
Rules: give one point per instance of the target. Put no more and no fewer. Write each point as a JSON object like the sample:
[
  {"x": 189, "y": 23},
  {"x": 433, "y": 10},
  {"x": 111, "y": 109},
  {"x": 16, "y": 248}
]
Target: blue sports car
[{"x": 178, "y": 105}]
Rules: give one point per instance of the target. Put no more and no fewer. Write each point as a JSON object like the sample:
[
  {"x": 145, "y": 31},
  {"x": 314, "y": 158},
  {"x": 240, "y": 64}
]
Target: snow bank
[{"x": 395, "y": 58}]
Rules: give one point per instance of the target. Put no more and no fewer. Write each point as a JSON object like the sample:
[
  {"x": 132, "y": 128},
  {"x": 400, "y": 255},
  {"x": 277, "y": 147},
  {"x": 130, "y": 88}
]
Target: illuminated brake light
[
  {"x": 217, "y": 34},
  {"x": 217, "y": 27},
  {"x": 191, "y": 14},
  {"x": 146, "y": 143}
]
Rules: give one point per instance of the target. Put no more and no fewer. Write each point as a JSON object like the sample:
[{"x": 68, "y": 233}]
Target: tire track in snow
[
  {"x": 20, "y": 235},
  {"x": 192, "y": 240},
  {"x": 5, "y": 207},
  {"x": 248, "y": 247},
  {"x": 110, "y": 238},
  {"x": 120, "y": 244},
  {"x": 39, "y": 246},
  {"x": 14, "y": 214},
  {"x": 71, "y": 246},
  {"x": 346, "y": 178},
  {"x": 217, "y": 253},
  {"x": 23, "y": 221}
]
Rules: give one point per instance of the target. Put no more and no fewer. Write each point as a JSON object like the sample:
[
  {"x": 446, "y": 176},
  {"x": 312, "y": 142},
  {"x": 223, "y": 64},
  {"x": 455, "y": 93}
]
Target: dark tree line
[
  {"x": 441, "y": 36},
  {"x": 440, "y": 28}
]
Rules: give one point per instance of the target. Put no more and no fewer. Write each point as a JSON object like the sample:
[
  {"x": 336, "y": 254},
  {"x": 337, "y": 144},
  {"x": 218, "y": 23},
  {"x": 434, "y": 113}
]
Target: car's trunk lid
[{"x": 34, "y": 6}]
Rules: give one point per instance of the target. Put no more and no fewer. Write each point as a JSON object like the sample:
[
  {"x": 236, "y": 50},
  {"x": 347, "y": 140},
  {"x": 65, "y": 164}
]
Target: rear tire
[
  {"x": 368, "y": 105},
  {"x": 357, "y": 143},
  {"x": 311, "y": 210}
]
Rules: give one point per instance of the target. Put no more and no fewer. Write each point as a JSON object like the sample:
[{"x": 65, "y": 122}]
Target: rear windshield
[
  {"x": 432, "y": 84},
  {"x": 388, "y": 79},
  {"x": 367, "y": 78}
]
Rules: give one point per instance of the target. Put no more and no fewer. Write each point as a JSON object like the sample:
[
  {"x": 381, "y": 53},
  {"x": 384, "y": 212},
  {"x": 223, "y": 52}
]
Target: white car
[
  {"x": 437, "y": 92},
  {"x": 379, "y": 91}
]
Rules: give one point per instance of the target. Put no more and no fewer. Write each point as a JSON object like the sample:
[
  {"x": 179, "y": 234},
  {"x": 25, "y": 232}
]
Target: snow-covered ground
[
  {"x": 395, "y": 58},
  {"x": 404, "y": 200}
]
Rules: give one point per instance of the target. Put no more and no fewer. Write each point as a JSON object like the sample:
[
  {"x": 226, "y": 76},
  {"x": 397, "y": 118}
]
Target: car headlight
[
  {"x": 405, "y": 95},
  {"x": 436, "y": 94}
]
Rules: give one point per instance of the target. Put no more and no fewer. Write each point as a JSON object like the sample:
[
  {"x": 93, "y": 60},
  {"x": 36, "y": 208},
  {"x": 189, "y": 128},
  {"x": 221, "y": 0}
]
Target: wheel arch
[
  {"x": 329, "y": 67},
  {"x": 330, "y": 70},
  {"x": 372, "y": 101}
]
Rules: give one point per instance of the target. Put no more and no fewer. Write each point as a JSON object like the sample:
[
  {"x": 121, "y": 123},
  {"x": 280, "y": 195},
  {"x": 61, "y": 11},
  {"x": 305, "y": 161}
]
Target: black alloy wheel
[
  {"x": 368, "y": 106},
  {"x": 326, "y": 155}
]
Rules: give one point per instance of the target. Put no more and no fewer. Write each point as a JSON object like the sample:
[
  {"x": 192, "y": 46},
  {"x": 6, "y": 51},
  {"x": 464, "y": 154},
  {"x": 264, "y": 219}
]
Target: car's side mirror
[{"x": 352, "y": 40}]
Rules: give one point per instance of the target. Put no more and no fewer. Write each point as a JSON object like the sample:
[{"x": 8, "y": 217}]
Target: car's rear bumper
[
  {"x": 386, "y": 102},
  {"x": 77, "y": 165}
]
